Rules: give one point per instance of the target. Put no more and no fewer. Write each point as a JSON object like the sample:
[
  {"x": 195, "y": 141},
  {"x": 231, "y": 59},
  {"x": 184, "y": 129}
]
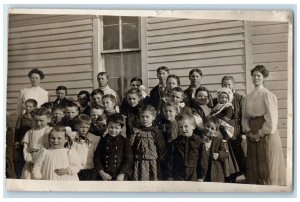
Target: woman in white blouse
[
  {"x": 33, "y": 92},
  {"x": 265, "y": 161}
]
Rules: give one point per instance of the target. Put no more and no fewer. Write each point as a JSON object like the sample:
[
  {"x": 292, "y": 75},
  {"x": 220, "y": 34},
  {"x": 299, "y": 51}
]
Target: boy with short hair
[
  {"x": 71, "y": 113},
  {"x": 57, "y": 116},
  {"x": 113, "y": 157},
  {"x": 157, "y": 92},
  {"x": 85, "y": 144},
  {"x": 96, "y": 111},
  {"x": 84, "y": 99},
  {"x": 61, "y": 100},
  {"x": 103, "y": 85}
]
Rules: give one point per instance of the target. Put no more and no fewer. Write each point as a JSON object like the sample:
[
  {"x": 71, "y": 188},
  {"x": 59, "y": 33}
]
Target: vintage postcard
[{"x": 149, "y": 100}]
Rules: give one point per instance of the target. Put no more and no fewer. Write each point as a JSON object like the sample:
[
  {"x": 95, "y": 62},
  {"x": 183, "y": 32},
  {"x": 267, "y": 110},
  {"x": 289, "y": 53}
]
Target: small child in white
[{"x": 59, "y": 162}]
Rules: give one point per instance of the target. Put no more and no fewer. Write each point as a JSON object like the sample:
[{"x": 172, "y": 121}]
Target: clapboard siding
[
  {"x": 61, "y": 46},
  {"x": 216, "y": 47},
  {"x": 269, "y": 46}
]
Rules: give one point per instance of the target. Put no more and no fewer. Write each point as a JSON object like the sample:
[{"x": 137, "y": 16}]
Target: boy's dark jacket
[{"x": 113, "y": 155}]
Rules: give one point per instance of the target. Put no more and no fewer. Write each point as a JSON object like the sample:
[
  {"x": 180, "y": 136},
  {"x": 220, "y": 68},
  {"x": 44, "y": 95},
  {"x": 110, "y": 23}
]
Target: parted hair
[
  {"x": 195, "y": 70},
  {"x": 174, "y": 77},
  {"x": 134, "y": 91},
  {"x": 36, "y": 71},
  {"x": 148, "y": 108},
  {"x": 43, "y": 111},
  {"x": 61, "y": 128},
  {"x": 83, "y": 119},
  {"x": 111, "y": 97},
  {"x": 116, "y": 118},
  {"x": 262, "y": 69},
  {"x": 186, "y": 116},
  {"x": 33, "y": 101},
  {"x": 136, "y": 79},
  {"x": 164, "y": 68}
]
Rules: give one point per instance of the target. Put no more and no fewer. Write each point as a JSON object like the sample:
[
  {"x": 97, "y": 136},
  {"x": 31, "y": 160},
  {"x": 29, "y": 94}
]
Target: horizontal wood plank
[
  {"x": 50, "y": 49},
  {"x": 270, "y": 38},
  {"x": 277, "y": 76},
  {"x": 51, "y": 25},
  {"x": 54, "y": 77},
  {"x": 52, "y": 70},
  {"x": 195, "y": 28},
  {"x": 51, "y": 63},
  {"x": 282, "y": 123},
  {"x": 270, "y": 29},
  {"x": 153, "y": 20},
  {"x": 236, "y": 60},
  {"x": 193, "y": 35},
  {"x": 54, "y": 37},
  {"x": 276, "y": 85},
  {"x": 178, "y": 23},
  {"x": 215, "y": 39},
  {"x": 273, "y": 66},
  {"x": 266, "y": 23},
  {"x": 196, "y": 49},
  {"x": 280, "y": 94},
  {"x": 50, "y": 56},
  {"x": 270, "y": 57},
  {"x": 194, "y": 56},
  {"x": 270, "y": 48},
  {"x": 50, "y": 31},
  {"x": 50, "y": 44}
]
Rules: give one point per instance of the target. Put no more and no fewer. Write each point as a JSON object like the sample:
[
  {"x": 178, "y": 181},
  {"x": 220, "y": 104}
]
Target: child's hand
[
  {"x": 215, "y": 156},
  {"x": 120, "y": 177},
  {"x": 104, "y": 175},
  {"x": 62, "y": 171}
]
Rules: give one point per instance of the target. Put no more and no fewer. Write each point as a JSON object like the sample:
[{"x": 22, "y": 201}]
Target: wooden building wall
[{"x": 61, "y": 46}]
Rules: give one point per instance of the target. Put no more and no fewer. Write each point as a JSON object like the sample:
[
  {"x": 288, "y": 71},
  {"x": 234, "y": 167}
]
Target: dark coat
[
  {"x": 211, "y": 170},
  {"x": 70, "y": 122},
  {"x": 155, "y": 97},
  {"x": 186, "y": 156},
  {"x": 61, "y": 103},
  {"x": 132, "y": 119},
  {"x": 113, "y": 155},
  {"x": 87, "y": 111}
]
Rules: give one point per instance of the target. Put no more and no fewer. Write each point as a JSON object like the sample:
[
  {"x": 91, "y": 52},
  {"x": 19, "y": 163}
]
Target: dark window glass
[
  {"x": 110, "y": 20},
  {"x": 111, "y": 37},
  {"x": 130, "y": 36}
]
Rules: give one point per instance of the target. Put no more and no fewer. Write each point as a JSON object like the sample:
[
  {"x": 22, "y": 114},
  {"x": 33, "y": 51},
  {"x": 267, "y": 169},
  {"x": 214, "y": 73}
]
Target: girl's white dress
[
  {"x": 33, "y": 141},
  {"x": 51, "y": 159}
]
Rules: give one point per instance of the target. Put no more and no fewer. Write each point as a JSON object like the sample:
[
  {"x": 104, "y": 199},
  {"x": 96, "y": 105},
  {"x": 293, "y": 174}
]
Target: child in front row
[
  {"x": 149, "y": 149},
  {"x": 59, "y": 162},
  {"x": 85, "y": 144},
  {"x": 35, "y": 139},
  {"x": 186, "y": 151},
  {"x": 113, "y": 156}
]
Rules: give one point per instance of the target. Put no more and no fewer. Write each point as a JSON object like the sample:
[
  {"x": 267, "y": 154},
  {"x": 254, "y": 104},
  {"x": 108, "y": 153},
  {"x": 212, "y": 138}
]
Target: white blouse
[
  {"x": 261, "y": 102},
  {"x": 37, "y": 93}
]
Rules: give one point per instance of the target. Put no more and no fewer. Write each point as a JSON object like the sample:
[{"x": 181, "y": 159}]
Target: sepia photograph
[{"x": 158, "y": 100}]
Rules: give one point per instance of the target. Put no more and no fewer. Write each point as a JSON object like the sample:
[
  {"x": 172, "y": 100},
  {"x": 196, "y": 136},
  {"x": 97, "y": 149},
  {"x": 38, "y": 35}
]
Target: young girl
[
  {"x": 224, "y": 111},
  {"x": 96, "y": 96},
  {"x": 148, "y": 147},
  {"x": 109, "y": 103},
  {"x": 24, "y": 123},
  {"x": 200, "y": 105},
  {"x": 213, "y": 152},
  {"x": 59, "y": 162},
  {"x": 35, "y": 139}
]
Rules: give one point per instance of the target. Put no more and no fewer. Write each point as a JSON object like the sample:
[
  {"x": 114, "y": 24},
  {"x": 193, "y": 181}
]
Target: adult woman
[
  {"x": 195, "y": 76},
  {"x": 265, "y": 162},
  {"x": 33, "y": 92}
]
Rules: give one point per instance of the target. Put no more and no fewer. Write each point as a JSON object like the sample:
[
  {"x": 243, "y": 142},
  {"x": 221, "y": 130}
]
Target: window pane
[
  {"x": 110, "y": 20},
  {"x": 111, "y": 37},
  {"x": 129, "y": 20},
  {"x": 130, "y": 36},
  {"x": 132, "y": 67}
]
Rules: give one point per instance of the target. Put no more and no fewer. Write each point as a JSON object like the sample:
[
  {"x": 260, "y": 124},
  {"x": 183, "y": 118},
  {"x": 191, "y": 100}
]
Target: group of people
[{"x": 170, "y": 134}]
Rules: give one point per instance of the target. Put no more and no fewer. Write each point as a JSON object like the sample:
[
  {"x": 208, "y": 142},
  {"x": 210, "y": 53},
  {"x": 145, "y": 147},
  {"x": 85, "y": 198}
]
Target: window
[{"x": 121, "y": 51}]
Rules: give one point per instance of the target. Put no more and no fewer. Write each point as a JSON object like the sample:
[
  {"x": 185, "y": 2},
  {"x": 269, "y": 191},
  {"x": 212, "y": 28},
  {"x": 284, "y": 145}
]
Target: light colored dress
[
  {"x": 51, "y": 159},
  {"x": 265, "y": 161},
  {"x": 37, "y": 93},
  {"x": 34, "y": 140}
]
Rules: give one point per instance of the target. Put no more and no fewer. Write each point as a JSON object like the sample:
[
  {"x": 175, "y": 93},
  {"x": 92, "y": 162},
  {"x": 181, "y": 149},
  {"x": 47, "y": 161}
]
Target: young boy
[
  {"x": 96, "y": 111},
  {"x": 85, "y": 144},
  {"x": 24, "y": 123},
  {"x": 71, "y": 112},
  {"x": 61, "y": 100},
  {"x": 177, "y": 96},
  {"x": 96, "y": 96},
  {"x": 157, "y": 92},
  {"x": 113, "y": 157},
  {"x": 57, "y": 116},
  {"x": 101, "y": 123},
  {"x": 186, "y": 153},
  {"x": 84, "y": 99},
  {"x": 213, "y": 152},
  {"x": 103, "y": 85}
]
